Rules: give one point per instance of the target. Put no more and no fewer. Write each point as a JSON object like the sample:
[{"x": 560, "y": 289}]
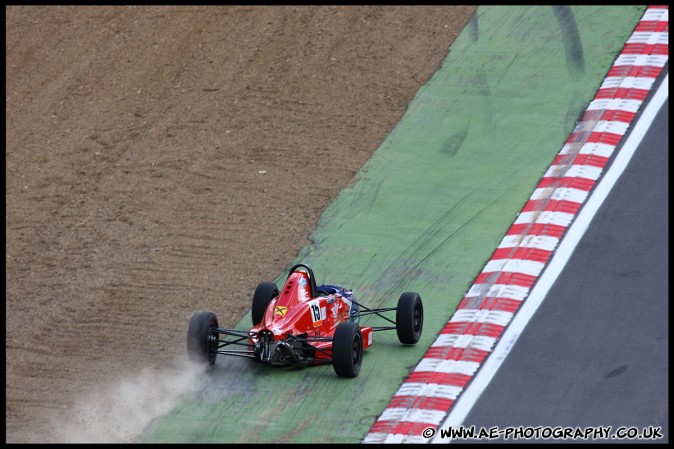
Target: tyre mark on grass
[
  {"x": 397, "y": 272},
  {"x": 573, "y": 46}
]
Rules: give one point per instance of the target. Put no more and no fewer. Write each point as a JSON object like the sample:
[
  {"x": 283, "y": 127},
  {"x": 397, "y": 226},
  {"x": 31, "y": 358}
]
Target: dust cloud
[{"x": 119, "y": 413}]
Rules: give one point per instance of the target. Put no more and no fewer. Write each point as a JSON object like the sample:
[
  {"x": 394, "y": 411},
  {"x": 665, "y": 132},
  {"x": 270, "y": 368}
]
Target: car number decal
[{"x": 317, "y": 312}]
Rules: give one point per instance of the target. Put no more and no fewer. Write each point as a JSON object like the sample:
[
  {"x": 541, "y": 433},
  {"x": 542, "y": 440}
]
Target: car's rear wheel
[
  {"x": 202, "y": 344},
  {"x": 264, "y": 293},
  {"x": 409, "y": 318},
  {"x": 347, "y": 349}
]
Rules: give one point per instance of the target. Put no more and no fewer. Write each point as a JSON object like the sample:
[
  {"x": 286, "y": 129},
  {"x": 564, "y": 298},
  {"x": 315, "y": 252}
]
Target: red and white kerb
[{"x": 427, "y": 395}]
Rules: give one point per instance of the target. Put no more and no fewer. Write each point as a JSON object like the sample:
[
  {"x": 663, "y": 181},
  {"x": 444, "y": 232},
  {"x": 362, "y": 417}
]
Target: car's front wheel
[{"x": 409, "y": 318}]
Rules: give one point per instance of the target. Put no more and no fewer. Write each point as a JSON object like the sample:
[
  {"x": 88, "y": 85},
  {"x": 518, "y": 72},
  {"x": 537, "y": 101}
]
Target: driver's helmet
[{"x": 330, "y": 289}]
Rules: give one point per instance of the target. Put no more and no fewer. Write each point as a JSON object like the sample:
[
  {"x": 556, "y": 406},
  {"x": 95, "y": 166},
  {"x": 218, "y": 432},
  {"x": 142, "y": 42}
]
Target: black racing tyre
[
  {"x": 202, "y": 346},
  {"x": 264, "y": 293},
  {"x": 347, "y": 349},
  {"x": 409, "y": 318}
]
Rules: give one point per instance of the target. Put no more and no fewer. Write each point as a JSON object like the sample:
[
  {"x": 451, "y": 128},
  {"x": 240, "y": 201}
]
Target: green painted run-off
[{"x": 425, "y": 215}]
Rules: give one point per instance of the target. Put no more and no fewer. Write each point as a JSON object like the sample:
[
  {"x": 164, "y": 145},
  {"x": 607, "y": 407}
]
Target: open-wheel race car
[{"x": 303, "y": 324}]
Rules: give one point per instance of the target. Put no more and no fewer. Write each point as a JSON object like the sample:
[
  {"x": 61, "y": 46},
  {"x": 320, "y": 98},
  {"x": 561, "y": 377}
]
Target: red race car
[{"x": 303, "y": 324}]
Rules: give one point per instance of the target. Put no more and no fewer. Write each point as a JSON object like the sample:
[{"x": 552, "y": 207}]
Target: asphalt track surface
[{"x": 596, "y": 351}]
